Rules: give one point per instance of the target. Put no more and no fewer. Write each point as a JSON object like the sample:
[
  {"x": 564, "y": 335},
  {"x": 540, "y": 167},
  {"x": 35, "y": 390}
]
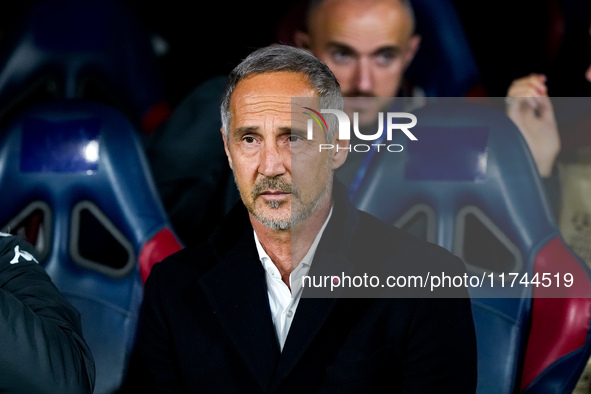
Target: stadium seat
[
  {"x": 94, "y": 49},
  {"x": 444, "y": 65},
  {"x": 75, "y": 182},
  {"x": 469, "y": 184}
]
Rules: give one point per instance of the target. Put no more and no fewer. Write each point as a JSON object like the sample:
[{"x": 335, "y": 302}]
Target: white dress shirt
[{"x": 282, "y": 301}]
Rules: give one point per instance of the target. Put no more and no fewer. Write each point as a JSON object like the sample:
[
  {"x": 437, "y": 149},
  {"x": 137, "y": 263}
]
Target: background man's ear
[
  {"x": 413, "y": 46},
  {"x": 227, "y": 149},
  {"x": 301, "y": 39},
  {"x": 340, "y": 155}
]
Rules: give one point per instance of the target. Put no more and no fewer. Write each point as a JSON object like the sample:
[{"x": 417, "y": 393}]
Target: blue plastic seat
[
  {"x": 470, "y": 185},
  {"x": 75, "y": 181},
  {"x": 93, "y": 49}
]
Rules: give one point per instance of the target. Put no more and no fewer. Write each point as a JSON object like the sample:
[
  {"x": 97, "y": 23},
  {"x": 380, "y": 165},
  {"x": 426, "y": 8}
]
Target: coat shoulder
[{"x": 186, "y": 264}]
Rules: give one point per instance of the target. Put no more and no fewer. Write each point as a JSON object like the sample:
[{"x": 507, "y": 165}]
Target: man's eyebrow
[
  {"x": 295, "y": 131},
  {"x": 393, "y": 50},
  {"x": 240, "y": 131},
  {"x": 339, "y": 45},
  {"x": 292, "y": 130}
]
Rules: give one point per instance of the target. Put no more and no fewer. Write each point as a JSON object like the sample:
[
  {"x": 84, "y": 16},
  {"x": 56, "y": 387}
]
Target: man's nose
[
  {"x": 364, "y": 78},
  {"x": 272, "y": 160}
]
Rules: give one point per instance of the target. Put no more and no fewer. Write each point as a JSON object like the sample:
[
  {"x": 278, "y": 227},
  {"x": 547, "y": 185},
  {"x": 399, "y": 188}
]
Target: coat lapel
[
  {"x": 316, "y": 305},
  {"x": 236, "y": 289},
  {"x": 311, "y": 316}
]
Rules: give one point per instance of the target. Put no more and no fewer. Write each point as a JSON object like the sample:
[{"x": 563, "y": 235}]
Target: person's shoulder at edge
[
  {"x": 61, "y": 359},
  {"x": 8, "y": 242}
]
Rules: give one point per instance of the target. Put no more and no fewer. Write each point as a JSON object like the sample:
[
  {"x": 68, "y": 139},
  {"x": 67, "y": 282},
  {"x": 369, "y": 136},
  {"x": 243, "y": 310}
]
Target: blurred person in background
[
  {"x": 565, "y": 172},
  {"x": 368, "y": 45}
]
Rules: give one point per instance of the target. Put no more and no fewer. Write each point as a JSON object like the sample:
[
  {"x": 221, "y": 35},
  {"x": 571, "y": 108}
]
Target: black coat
[
  {"x": 206, "y": 324},
  {"x": 41, "y": 344}
]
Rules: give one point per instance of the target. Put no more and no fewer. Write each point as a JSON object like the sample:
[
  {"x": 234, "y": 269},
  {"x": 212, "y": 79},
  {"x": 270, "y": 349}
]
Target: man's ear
[
  {"x": 227, "y": 149},
  {"x": 413, "y": 46},
  {"x": 340, "y": 155},
  {"x": 301, "y": 39}
]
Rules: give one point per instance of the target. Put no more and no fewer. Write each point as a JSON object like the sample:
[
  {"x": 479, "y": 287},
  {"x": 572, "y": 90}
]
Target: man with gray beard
[{"x": 231, "y": 315}]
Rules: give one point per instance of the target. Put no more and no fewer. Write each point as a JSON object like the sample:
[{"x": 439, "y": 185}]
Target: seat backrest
[
  {"x": 470, "y": 185},
  {"x": 95, "y": 49},
  {"x": 444, "y": 65},
  {"x": 75, "y": 181}
]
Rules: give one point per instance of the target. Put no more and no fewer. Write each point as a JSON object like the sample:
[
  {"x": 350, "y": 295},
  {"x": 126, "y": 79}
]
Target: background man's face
[
  {"x": 367, "y": 45},
  {"x": 260, "y": 147}
]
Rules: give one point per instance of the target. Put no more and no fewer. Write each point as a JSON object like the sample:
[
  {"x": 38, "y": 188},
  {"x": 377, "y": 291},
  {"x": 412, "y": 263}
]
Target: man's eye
[
  {"x": 294, "y": 138},
  {"x": 385, "y": 58},
  {"x": 249, "y": 139},
  {"x": 341, "y": 56}
]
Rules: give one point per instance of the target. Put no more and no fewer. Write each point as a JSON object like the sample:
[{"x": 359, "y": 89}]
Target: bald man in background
[{"x": 367, "y": 44}]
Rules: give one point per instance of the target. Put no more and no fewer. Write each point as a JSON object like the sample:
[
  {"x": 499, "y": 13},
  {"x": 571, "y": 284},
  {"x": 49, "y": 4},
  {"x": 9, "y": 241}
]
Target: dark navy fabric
[{"x": 72, "y": 43}]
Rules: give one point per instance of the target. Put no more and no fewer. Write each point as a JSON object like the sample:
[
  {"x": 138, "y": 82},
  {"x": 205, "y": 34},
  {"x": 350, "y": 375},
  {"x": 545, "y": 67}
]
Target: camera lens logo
[{"x": 317, "y": 117}]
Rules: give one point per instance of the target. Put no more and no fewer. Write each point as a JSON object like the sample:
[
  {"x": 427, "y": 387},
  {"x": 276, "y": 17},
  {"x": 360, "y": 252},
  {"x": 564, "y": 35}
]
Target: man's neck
[{"x": 287, "y": 248}]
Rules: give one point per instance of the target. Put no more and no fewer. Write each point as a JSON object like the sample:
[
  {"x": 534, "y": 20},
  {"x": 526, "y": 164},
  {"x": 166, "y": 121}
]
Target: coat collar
[
  {"x": 330, "y": 259},
  {"x": 236, "y": 289}
]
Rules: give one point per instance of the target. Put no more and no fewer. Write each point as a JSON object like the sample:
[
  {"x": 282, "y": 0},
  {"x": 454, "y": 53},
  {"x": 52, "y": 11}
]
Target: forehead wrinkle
[
  {"x": 256, "y": 106},
  {"x": 257, "y": 123},
  {"x": 266, "y": 96},
  {"x": 260, "y": 113}
]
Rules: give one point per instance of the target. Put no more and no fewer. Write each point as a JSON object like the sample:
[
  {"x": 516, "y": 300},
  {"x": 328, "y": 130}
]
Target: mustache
[{"x": 275, "y": 183}]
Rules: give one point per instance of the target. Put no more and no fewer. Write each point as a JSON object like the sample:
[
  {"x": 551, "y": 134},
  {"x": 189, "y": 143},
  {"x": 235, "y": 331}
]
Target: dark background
[{"x": 509, "y": 39}]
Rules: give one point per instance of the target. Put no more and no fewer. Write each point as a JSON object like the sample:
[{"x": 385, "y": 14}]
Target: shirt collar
[{"x": 307, "y": 260}]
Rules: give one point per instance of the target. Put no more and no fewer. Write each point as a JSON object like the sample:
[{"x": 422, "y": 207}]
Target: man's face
[
  {"x": 367, "y": 45},
  {"x": 263, "y": 144}
]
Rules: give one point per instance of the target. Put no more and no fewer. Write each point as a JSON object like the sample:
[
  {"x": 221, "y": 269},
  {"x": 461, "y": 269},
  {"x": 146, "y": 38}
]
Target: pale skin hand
[{"x": 530, "y": 108}]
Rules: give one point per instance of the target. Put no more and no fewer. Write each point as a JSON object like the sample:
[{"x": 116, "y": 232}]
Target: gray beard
[{"x": 296, "y": 217}]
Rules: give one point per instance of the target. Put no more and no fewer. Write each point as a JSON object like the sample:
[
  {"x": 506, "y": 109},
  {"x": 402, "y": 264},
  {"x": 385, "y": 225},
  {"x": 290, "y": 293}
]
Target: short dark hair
[{"x": 277, "y": 58}]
